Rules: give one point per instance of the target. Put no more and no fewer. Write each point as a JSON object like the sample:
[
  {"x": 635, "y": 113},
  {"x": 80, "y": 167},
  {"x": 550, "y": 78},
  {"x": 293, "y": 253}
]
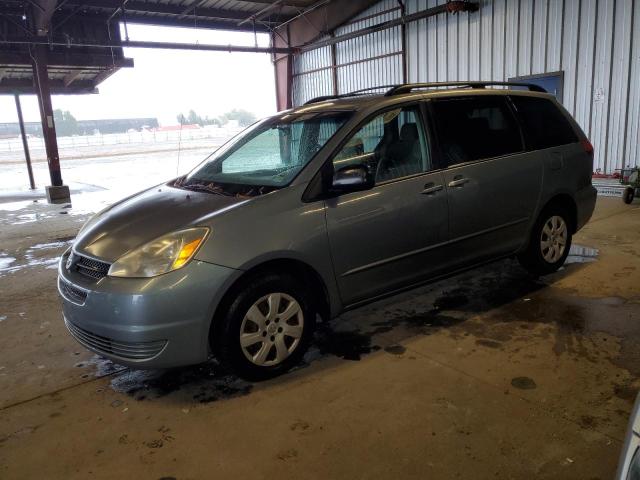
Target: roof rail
[
  {"x": 355, "y": 93},
  {"x": 408, "y": 87}
]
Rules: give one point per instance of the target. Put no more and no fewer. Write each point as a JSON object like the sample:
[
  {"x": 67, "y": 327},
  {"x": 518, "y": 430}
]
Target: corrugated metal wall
[
  {"x": 312, "y": 75},
  {"x": 596, "y": 43},
  {"x": 374, "y": 59},
  {"x": 367, "y": 61}
]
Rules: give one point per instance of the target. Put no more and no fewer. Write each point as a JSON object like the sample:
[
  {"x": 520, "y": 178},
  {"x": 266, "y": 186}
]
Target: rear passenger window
[
  {"x": 473, "y": 128},
  {"x": 545, "y": 126}
]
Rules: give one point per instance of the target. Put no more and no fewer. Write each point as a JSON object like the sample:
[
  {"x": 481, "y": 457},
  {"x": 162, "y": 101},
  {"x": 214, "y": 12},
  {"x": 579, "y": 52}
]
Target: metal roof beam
[
  {"x": 70, "y": 77},
  {"x": 142, "y": 44},
  {"x": 67, "y": 59},
  {"x": 189, "y": 22},
  {"x": 194, "y": 6},
  {"x": 26, "y": 86},
  {"x": 304, "y": 12},
  {"x": 261, "y": 13},
  {"x": 289, "y": 3},
  {"x": 169, "y": 9},
  {"x": 42, "y": 13}
]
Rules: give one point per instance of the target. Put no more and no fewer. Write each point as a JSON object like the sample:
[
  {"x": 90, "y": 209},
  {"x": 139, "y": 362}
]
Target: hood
[{"x": 146, "y": 216}]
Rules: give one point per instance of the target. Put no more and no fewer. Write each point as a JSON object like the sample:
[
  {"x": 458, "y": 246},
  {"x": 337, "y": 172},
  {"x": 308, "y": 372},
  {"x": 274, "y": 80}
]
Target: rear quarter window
[{"x": 544, "y": 125}]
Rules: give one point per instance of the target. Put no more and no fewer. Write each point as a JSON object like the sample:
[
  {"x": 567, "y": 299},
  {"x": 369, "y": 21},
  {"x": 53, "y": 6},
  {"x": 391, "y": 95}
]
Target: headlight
[{"x": 165, "y": 254}]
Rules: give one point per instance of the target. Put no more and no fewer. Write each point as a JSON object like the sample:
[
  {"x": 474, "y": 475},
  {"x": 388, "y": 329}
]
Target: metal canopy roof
[
  {"x": 76, "y": 33},
  {"x": 219, "y": 14}
]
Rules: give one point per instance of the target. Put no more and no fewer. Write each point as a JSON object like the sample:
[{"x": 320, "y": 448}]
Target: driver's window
[{"x": 391, "y": 145}]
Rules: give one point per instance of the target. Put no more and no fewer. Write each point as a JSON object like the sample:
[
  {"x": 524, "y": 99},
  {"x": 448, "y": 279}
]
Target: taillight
[{"x": 586, "y": 144}]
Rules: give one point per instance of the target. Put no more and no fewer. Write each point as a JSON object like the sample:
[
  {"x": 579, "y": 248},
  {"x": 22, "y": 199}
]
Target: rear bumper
[
  {"x": 585, "y": 204},
  {"x": 157, "y": 322}
]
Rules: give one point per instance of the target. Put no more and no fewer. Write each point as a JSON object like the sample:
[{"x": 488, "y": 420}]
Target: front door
[{"x": 387, "y": 237}]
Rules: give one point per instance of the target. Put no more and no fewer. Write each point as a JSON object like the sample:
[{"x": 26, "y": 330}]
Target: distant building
[{"x": 85, "y": 127}]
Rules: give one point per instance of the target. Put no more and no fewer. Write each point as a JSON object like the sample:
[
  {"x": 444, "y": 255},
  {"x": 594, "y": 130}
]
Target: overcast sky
[{"x": 164, "y": 83}]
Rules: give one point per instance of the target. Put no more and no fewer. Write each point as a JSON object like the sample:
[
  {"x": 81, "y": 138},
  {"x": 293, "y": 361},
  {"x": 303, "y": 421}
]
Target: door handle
[
  {"x": 431, "y": 188},
  {"x": 458, "y": 182}
]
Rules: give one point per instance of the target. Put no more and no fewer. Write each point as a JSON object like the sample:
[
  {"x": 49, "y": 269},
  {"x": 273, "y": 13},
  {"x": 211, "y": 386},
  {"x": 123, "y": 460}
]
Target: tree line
[
  {"x": 243, "y": 117},
  {"x": 67, "y": 125}
]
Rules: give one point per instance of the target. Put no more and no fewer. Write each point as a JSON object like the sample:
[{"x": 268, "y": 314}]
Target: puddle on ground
[
  {"x": 5, "y": 261},
  {"x": 523, "y": 383},
  {"x": 581, "y": 254},
  {"x": 66, "y": 239},
  {"x": 15, "y": 206},
  {"x": 203, "y": 383},
  {"x": 50, "y": 245},
  {"x": 102, "y": 366},
  {"x": 348, "y": 345},
  {"x": 34, "y": 256},
  {"x": 395, "y": 349}
]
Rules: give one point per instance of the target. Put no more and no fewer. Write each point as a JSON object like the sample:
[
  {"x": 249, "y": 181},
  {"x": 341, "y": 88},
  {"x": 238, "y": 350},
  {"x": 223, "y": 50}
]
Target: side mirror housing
[{"x": 352, "y": 178}]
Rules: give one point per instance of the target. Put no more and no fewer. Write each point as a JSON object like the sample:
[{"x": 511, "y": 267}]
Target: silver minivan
[{"x": 323, "y": 208}]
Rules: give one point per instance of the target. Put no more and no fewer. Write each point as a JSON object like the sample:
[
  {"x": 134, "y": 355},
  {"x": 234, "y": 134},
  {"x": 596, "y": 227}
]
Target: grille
[
  {"x": 71, "y": 293},
  {"x": 91, "y": 268},
  {"x": 128, "y": 350}
]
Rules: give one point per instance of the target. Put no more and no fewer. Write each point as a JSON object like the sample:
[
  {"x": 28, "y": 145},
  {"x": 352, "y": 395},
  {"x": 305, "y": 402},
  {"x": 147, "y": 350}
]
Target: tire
[
  {"x": 267, "y": 332},
  {"x": 545, "y": 253},
  {"x": 628, "y": 195}
]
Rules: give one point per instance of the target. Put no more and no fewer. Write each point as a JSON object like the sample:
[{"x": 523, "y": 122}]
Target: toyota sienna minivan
[{"x": 323, "y": 208}]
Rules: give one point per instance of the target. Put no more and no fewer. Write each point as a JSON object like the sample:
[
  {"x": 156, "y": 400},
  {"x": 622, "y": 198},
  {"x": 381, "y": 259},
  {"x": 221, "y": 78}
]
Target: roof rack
[
  {"x": 408, "y": 87},
  {"x": 355, "y": 93}
]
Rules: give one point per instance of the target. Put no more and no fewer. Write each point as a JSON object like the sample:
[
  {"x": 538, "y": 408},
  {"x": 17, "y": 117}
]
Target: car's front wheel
[
  {"x": 267, "y": 327},
  {"x": 549, "y": 243}
]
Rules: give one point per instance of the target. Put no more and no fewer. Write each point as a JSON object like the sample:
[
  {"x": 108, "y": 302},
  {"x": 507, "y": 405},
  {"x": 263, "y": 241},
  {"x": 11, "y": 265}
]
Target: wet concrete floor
[{"x": 490, "y": 374}]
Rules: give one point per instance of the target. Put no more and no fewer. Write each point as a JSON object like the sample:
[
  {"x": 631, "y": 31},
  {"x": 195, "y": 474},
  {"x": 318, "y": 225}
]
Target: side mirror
[{"x": 351, "y": 179}]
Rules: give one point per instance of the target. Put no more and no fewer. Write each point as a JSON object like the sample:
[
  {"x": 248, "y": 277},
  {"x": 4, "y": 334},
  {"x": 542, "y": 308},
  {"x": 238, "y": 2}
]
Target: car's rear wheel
[
  {"x": 549, "y": 243},
  {"x": 267, "y": 327}
]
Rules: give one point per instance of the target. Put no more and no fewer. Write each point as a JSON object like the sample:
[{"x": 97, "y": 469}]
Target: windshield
[{"x": 269, "y": 154}]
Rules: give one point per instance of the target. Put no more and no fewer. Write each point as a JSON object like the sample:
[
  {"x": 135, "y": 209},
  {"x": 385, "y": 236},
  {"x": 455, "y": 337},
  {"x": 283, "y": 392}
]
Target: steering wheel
[{"x": 385, "y": 164}]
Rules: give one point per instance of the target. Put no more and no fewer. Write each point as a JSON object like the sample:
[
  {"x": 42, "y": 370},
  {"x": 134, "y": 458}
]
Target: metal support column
[
  {"x": 57, "y": 192},
  {"x": 334, "y": 68},
  {"x": 25, "y": 145},
  {"x": 403, "y": 35}
]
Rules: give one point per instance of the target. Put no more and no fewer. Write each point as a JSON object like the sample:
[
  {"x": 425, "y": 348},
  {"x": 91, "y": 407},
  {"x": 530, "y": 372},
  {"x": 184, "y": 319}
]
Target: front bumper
[{"x": 158, "y": 322}]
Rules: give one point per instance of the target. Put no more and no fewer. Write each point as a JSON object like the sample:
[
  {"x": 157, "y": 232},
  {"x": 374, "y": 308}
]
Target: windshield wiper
[
  {"x": 207, "y": 188},
  {"x": 285, "y": 170}
]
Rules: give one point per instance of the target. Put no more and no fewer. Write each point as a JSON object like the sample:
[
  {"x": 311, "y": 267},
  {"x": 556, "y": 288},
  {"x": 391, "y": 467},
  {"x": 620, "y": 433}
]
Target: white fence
[{"x": 114, "y": 143}]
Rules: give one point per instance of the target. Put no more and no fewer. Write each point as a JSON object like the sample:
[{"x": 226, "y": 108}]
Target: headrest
[
  {"x": 479, "y": 124},
  {"x": 409, "y": 131}
]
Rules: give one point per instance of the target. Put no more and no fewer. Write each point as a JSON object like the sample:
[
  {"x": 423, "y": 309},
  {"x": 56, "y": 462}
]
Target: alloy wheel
[
  {"x": 553, "y": 239},
  {"x": 271, "y": 329}
]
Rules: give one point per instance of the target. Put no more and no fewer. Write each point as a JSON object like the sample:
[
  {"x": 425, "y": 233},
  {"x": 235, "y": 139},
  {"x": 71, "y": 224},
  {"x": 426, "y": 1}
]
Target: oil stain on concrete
[
  {"x": 203, "y": 383},
  {"x": 523, "y": 383}
]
